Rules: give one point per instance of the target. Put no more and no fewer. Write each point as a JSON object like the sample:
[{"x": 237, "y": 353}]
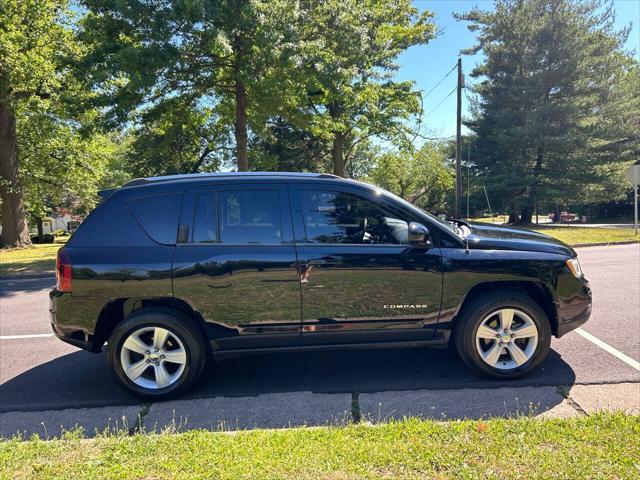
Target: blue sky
[{"x": 427, "y": 64}]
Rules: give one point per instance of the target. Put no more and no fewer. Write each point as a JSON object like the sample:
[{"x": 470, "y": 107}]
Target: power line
[
  {"x": 441, "y": 31},
  {"x": 439, "y": 82},
  {"x": 441, "y": 101},
  {"x": 435, "y": 138}
]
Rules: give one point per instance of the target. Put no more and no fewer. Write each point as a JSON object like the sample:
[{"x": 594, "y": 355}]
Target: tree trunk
[
  {"x": 337, "y": 154},
  {"x": 513, "y": 215},
  {"x": 537, "y": 171},
  {"x": 557, "y": 218},
  {"x": 337, "y": 149},
  {"x": 15, "y": 232},
  {"x": 241, "y": 127},
  {"x": 525, "y": 215},
  {"x": 40, "y": 230}
]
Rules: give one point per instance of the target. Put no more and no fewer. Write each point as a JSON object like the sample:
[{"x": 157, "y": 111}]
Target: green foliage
[
  {"x": 309, "y": 86},
  {"x": 556, "y": 111},
  {"x": 60, "y": 168},
  {"x": 423, "y": 177},
  {"x": 282, "y": 146},
  {"x": 349, "y": 56},
  {"x": 35, "y": 35},
  {"x": 177, "y": 138},
  {"x": 322, "y": 70},
  {"x": 152, "y": 58},
  {"x": 58, "y": 163}
]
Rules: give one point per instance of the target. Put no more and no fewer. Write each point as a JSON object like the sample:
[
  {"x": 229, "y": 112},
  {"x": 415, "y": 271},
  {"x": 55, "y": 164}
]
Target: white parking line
[
  {"x": 18, "y": 337},
  {"x": 605, "y": 346}
]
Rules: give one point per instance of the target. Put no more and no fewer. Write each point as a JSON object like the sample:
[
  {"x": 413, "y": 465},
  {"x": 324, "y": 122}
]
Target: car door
[
  {"x": 360, "y": 279},
  {"x": 235, "y": 263}
]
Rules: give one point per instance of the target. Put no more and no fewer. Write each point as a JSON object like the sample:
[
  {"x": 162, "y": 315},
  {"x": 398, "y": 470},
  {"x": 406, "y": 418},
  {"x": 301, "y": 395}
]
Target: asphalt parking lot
[{"x": 39, "y": 372}]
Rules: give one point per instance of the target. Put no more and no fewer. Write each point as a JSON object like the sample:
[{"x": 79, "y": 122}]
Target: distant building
[{"x": 66, "y": 222}]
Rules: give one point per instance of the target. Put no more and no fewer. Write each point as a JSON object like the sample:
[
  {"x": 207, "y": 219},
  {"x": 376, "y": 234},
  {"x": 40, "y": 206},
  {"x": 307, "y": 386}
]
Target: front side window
[
  {"x": 250, "y": 216},
  {"x": 339, "y": 217}
]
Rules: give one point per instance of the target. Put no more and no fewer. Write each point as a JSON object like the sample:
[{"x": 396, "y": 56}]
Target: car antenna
[{"x": 466, "y": 243}]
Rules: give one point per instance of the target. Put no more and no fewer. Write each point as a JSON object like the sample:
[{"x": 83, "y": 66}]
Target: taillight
[{"x": 64, "y": 271}]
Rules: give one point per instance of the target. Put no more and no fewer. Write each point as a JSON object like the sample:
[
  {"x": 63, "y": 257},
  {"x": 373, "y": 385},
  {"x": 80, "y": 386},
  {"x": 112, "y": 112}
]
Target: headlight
[{"x": 574, "y": 267}]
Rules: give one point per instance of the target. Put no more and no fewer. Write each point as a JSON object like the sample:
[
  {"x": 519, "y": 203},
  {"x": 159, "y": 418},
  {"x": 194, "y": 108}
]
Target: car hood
[{"x": 491, "y": 237}]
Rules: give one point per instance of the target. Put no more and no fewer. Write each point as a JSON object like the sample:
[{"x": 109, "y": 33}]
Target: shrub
[{"x": 46, "y": 238}]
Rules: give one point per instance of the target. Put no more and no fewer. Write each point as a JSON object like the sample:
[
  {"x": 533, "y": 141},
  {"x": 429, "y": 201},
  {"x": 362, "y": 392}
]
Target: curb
[
  {"x": 257, "y": 412},
  {"x": 603, "y": 244}
]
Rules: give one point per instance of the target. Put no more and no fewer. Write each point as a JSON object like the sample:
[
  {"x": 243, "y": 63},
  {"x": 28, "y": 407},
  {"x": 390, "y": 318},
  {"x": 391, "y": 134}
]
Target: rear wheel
[
  {"x": 157, "y": 353},
  {"x": 503, "y": 335}
]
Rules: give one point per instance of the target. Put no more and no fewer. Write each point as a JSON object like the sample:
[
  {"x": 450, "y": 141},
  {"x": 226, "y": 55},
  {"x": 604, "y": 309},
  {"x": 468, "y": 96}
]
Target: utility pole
[{"x": 459, "y": 142}]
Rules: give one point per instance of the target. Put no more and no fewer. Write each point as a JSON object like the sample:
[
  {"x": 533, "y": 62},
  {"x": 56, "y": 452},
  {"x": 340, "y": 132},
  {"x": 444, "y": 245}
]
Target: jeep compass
[{"x": 173, "y": 272}]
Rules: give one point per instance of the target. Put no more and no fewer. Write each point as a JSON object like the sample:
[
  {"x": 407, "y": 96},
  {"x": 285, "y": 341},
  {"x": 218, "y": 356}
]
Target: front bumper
[{"x": 574, "y": 310}]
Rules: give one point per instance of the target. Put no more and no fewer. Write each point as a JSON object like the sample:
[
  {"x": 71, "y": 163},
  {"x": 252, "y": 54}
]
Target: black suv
[{"x": 173, "y": 271}]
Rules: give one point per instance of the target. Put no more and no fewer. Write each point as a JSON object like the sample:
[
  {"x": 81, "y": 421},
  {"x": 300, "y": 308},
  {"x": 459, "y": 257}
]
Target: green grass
[
  {"x": 39, "y": 258},
  {"x": 581, "y": 235},
  {"x": 497, "y": 219},
  {"x": 599, "y": 446},
  {"x": 573, "y": 235}
]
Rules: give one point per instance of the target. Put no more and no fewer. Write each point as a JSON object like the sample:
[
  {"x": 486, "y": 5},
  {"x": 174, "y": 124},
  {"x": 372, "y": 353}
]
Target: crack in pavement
[
  {"x": 139, "y": 426},
  {"x": 562, "y": 390},
  {"x": 356, "y": 413}
]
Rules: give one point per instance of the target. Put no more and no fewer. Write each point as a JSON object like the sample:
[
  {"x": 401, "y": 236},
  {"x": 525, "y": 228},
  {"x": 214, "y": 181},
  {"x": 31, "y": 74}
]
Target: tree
[
  {"x": 550, "y": 95},
  {"x": 282, "y": 146},
  {"x": 34, "y": 36},
  {"x": 349, "y": 49},
  {"x": 423, "y": 177},
  {"x": 178, "y": 138},
  {"x": 60, "y": 166},
  {"x": 221, "y": 58}
]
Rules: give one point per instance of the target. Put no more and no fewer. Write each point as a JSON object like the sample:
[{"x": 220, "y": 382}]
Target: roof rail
[{"x": 169, "y": 178}]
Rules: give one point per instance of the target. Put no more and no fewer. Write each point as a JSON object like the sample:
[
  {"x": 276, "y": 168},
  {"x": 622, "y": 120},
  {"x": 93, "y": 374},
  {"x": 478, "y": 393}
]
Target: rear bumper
[
  {"x": 575, "y": 310},
  {"x": 63, "y": 325}
]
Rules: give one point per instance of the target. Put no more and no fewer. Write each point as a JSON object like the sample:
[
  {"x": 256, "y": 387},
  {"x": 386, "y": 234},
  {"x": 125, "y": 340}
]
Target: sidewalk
[{"x": 292, "y": 409}]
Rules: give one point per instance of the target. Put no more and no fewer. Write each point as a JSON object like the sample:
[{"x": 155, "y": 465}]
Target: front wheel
[
  {"x": 503, "y": 335},
  {"x": 157, "y": 353}
]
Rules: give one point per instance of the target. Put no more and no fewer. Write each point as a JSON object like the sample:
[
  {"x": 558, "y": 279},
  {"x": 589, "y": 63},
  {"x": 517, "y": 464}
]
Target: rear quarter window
[{"x": 158, "y": 216}]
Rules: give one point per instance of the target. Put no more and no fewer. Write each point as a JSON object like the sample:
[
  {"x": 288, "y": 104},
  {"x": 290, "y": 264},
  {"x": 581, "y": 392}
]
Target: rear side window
[
  {"x": 158, "y": 216},
  {"x": 250, "y": 216}
]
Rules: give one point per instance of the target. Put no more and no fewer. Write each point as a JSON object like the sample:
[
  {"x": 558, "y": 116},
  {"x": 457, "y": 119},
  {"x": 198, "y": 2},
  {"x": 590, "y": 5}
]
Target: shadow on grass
[
  {"x": 43, "y": 266},
  {"x": 40, "y": 258}
]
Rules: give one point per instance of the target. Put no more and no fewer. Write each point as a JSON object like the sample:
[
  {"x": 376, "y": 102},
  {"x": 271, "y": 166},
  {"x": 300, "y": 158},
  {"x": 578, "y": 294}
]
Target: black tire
[
  {"x": 178, "y": 324},
  {"x": 476, "y": 310}
]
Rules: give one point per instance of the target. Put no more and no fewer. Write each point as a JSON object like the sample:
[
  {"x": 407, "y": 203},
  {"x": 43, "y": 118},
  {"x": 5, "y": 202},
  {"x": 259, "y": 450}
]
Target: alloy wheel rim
[
  {"x": 506, "y": 339},
  {"x": 153, "y": 357}
]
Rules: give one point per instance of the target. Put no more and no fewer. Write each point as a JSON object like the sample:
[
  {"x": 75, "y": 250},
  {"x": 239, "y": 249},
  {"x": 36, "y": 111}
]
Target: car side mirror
[{"x": 418, "y": 235}]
